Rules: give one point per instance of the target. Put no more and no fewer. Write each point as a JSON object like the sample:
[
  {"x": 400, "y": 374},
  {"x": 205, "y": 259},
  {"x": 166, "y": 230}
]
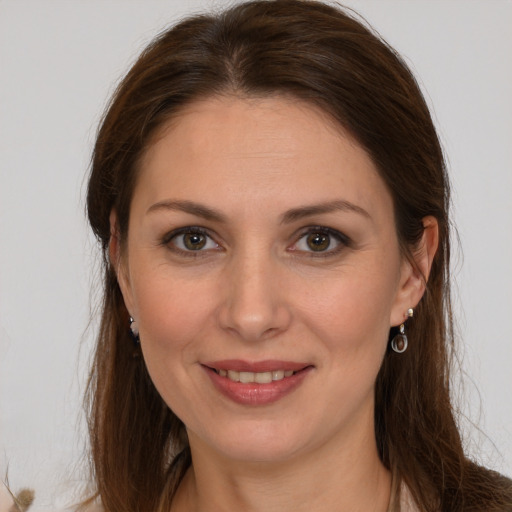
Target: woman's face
[{"x": 263, "y": 269}]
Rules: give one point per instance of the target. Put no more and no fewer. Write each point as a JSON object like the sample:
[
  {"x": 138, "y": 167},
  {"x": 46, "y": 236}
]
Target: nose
[{"x": 255, "y": 305}]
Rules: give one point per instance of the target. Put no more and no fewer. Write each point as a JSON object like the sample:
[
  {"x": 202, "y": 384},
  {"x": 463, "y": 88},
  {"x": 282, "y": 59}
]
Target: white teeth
[
  {"x": 258, "y": 377},
  {"x": 263, "y": 378},
  {"x": 234, "y": 376},
  {"x": 246, "y": 377}
]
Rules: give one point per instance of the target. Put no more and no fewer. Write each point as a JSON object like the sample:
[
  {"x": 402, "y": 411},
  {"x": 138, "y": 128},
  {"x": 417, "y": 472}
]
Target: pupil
[
  {"x": 194, "y": 241},
  {"x": 318, "y": 241}
]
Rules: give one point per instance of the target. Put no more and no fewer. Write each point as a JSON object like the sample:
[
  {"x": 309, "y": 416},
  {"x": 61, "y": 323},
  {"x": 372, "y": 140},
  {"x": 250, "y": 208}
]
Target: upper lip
[{"x": 268, "y": 365}]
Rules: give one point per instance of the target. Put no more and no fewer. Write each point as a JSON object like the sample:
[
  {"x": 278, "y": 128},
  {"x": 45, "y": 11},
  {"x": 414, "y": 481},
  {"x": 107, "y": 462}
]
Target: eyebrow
[
  {"x": 296, "y": 214},
  {"x": 191, "y": 207},
  {"x": 288, "y": 217}
]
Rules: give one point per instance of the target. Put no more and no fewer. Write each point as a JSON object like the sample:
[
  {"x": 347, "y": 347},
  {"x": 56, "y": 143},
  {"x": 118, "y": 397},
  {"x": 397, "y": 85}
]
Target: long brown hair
[{"x": 324, "y": 56}]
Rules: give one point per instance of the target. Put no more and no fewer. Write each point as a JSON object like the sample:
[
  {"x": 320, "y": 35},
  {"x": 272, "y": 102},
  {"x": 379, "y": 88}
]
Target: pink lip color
[
  {"x": 268, "y": 365},
  {"x": 254, "y": 393}
]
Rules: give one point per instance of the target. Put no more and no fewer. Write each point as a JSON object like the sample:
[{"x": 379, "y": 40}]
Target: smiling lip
[{"x": 255, "y": 393}]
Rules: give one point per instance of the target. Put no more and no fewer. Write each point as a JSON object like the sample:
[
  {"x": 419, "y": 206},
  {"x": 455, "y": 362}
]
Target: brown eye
[
  {"x": 318, "y": 241},
  {"x": 321, "y": 241},
  {"x": 194, "y": 241}
]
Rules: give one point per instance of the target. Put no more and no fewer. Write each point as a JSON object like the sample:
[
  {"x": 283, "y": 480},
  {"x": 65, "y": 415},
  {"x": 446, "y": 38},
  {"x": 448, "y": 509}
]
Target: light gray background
[{"x": 59, "y": 61}]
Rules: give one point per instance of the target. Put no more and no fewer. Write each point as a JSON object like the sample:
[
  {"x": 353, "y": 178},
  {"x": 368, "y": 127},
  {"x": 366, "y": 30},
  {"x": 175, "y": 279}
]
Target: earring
[
  {"x": 134, "y": 329},
  {"x": 399, "y": 343}
]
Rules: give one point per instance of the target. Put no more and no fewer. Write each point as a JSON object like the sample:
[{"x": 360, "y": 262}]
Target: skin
[{"x": 257, "y": 291}]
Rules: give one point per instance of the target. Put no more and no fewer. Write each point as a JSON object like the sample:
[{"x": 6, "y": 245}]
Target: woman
[{"x": 272, "y": 203}]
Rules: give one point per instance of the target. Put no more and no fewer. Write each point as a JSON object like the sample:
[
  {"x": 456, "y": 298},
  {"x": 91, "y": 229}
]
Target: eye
[
  {"x": 190, "y": 239},
  {"x": 320, "y": 240}
]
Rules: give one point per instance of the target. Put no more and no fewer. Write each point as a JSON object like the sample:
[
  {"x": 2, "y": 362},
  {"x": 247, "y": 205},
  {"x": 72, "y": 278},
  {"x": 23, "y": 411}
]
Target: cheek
[
  {"x": 172, "y": 314},
  {"x": 350, "y": 320},
  {"x": 350, "y": 312}
]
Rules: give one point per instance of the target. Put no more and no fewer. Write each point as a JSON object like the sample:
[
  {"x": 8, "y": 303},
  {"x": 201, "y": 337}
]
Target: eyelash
[
  {"x": 189, "y": 230},
  {"x": 342, "y": 240}
]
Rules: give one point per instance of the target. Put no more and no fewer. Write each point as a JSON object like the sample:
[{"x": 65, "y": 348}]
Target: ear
[
  {"x": 118, "y": 262},
  {"x": 414, "y": 274}
]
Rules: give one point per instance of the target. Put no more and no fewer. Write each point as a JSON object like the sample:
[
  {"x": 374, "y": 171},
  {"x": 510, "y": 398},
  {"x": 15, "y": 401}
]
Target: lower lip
[{"x": 252, "y": 393}]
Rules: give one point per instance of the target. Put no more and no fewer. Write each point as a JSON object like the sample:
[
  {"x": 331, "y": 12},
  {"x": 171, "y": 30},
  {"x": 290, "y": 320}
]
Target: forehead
[
  {"x": 247, "y": 126},
  {"x": 273, "y": 150}
]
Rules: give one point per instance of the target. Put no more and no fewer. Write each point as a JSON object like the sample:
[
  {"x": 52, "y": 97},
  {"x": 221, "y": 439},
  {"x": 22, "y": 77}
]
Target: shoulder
[
  {"x": 25, "y": 498},
  {"x": 93, "y": 508},
  {"x": 6, "y": 500},
  {"x": 407, "y": 503},
  {"x": 500, "y": 488},
  {"x": 490, "y": 492},
  {"x": 11, "y": 503},
  {"x": 89, "y": 505}
]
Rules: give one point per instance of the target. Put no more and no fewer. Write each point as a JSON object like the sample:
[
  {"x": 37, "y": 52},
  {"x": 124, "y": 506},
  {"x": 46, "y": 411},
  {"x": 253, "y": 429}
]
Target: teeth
[
  {"x": 246, "y": 377},
  {"x": 258, "y": 377},
  {"x": 263, "y": 378},
  {"x": 234, "y": 376},
  {"x": 278, "y": 374}
]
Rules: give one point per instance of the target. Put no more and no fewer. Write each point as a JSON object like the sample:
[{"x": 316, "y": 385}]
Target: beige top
[
  {"x": 6, "y": 501},
  {"x": 407, "y": 504}
]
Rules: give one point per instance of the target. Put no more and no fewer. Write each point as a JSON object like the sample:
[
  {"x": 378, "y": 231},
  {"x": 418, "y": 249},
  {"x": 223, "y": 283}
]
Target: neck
[{"x": 324, "y": 479}]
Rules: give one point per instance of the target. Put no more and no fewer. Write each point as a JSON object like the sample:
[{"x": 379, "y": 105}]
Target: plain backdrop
[{"x": 60, "y": 60}]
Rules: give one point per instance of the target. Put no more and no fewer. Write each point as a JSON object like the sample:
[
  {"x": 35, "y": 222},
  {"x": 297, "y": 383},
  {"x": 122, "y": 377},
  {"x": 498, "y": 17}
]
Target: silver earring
[
  {"x": 399, "y": 343},
  {"x": 134, "y": 329}
]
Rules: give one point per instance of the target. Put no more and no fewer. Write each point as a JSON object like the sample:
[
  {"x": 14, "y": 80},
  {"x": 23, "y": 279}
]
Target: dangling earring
[
  {"x": 400, "y": 342},
  {"x": 134, "y": 329}
]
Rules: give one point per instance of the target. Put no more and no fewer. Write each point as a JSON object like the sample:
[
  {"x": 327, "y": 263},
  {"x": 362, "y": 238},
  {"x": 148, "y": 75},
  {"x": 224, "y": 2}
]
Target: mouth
[
  {"x": 258, "y": 377},
  {"x": 260, "y": 372},
  {"x": 257, "y": 383}
]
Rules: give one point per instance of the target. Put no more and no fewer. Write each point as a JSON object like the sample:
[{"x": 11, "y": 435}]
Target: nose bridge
[{"x": 255, "y": 305}]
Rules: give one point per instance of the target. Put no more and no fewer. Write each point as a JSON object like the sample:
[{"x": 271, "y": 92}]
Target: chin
[
  {"x": 256, "y": 442},
  {"x": 264, "y": 451}
]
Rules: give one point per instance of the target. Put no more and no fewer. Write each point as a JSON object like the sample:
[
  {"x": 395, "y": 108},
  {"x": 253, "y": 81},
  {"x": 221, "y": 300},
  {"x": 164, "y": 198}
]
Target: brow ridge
[
  {"x": 191, "y": 207},
  {"x": 288, "y": 217},
  {"x": 296, "y": 214}
]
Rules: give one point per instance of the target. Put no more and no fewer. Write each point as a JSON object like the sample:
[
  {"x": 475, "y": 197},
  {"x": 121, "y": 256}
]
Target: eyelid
[
  {"x": 181, "y": 231},
  {"x": 342, "y": 239},
  {"x": 168, "y": 238}
]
